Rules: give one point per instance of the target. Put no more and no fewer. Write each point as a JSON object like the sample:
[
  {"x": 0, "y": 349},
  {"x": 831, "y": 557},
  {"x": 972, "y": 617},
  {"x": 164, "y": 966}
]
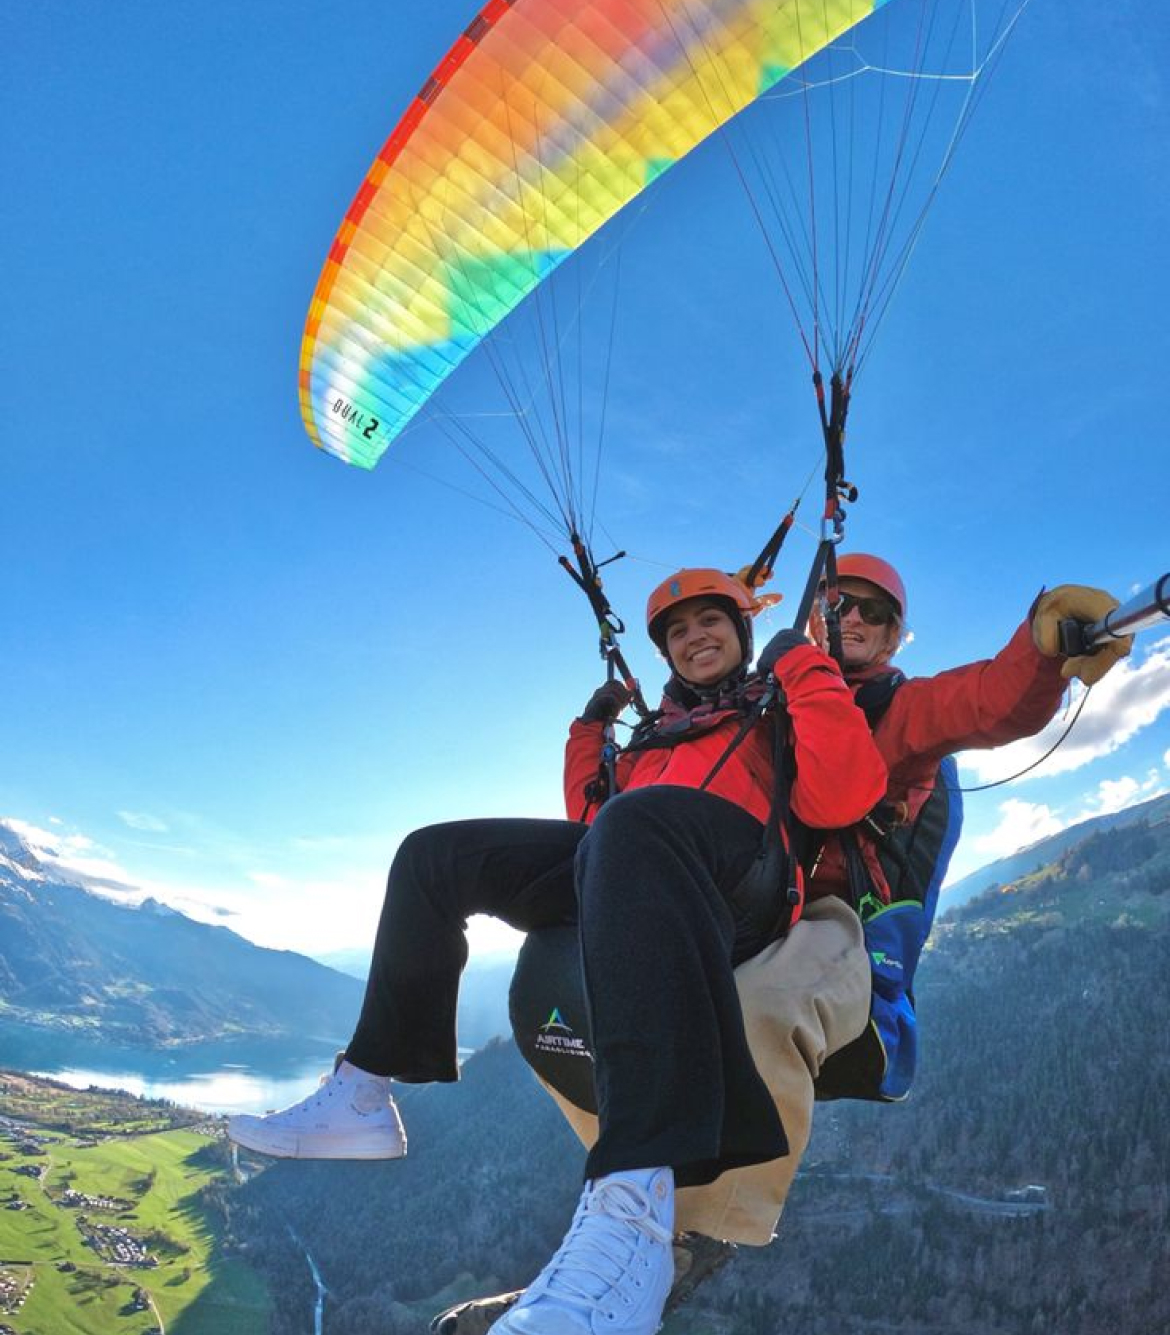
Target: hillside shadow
[{"x": 234, "y": 1301}]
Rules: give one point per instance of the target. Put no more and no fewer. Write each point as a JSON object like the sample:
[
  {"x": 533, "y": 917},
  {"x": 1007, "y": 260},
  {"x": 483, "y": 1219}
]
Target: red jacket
[
  {"x": 978, "y": 706},
  {"x": 839, "y": 773}
]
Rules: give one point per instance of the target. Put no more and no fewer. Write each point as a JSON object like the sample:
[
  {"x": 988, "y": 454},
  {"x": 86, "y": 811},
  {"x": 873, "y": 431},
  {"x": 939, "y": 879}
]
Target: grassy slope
[{"x": 195, "y": 1290}]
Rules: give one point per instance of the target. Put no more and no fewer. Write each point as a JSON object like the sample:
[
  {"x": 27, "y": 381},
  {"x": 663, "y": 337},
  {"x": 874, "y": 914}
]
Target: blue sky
[{"x": 237, "y": 672}]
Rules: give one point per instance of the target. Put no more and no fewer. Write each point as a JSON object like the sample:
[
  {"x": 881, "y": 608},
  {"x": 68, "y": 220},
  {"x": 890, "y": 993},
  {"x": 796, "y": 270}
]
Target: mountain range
[
  {"x": 77, "y": 964},
  {"x": 77, "y": 968}
]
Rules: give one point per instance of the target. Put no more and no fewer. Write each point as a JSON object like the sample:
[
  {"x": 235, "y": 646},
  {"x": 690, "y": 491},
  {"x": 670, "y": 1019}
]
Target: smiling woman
[
  {"x": 217, "y": 636},
  {"x": 286, "y": 651},
  {"x": 701, "y": 621},
  {"x": 701, "y": 642},
  {"x": 681, "y": 862}
]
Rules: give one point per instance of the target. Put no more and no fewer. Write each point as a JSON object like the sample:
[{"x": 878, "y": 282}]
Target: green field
[{"x": 141, "y": 1191}]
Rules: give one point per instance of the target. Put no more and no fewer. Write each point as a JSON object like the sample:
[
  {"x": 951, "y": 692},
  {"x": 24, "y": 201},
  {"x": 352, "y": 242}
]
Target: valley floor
[{"x": 107, "y": 1219}]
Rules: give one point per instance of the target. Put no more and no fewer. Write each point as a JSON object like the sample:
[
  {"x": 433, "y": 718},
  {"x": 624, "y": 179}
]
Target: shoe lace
[
  {"x": 362, "y": 1096},
  {"x": 595, "y": 1258}
]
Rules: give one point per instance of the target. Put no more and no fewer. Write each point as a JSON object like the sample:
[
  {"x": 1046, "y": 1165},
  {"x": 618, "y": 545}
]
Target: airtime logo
[{"x": 556, "y": 1038}]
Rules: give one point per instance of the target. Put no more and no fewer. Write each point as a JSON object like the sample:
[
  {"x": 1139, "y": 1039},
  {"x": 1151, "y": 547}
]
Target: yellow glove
[{"x": 1081, "y": 604}]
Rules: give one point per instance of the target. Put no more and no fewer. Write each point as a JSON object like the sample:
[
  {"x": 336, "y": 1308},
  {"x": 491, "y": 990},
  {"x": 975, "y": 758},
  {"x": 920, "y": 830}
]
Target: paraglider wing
[{"x": 542, "y": 122}]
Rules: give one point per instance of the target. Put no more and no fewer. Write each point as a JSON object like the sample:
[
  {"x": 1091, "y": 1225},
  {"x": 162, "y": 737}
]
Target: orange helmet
[
  {"x": 699, "y": 583},
  {"x": 858, "y": 565}
]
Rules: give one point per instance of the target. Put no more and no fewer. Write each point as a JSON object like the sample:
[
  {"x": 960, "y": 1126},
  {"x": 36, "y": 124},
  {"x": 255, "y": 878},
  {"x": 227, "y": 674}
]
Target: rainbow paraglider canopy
[{"x": 545, "y": 119}]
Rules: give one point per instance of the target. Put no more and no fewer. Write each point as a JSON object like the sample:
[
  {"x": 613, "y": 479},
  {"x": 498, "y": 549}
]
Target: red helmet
[
  {"x": 697, "y": 583},
  {"x": 858, "y": 565}
]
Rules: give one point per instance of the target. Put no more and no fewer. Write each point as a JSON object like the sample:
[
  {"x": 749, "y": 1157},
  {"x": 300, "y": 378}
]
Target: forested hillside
[
  {"x": 1009, "y": 870},
  {"x": 1046, "y": 1064},
  {"x": 1022, "y": 1188}
]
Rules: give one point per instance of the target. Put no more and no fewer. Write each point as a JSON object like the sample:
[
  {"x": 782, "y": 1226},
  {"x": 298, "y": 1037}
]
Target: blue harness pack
[{"x": 880, "y": 1063}]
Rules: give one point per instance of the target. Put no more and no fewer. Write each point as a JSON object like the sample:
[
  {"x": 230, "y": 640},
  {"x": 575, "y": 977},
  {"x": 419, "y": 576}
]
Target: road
[{"x": 905, "y": 1204}]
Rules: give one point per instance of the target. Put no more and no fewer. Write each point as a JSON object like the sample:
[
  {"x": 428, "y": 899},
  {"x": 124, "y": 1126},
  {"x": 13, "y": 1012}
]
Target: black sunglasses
[{"x": 874, "y": 611}]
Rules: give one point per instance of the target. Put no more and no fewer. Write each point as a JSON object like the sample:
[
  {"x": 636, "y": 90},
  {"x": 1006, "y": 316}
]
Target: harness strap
[
  {"x": 883, "y": 836},
  {"x": 779, "y": 841},
  {"x": 780, "y": 829},
  {"x": 751, "y": 718},
  {"x": 863, "y": 893},
  {"x": 760, "y": 570}
]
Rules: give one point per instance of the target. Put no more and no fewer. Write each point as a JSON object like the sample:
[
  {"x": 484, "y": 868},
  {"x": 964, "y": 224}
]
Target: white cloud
[
  {"x": 54, "y": 847},
  {"x": 267, "y": 880},
  {"x": 1113, "y": 794},
  {"x": 328, "y": 909},
  {"x": 313, "y": 915},
  {"x": 40, "y": 841},
  {"x": 143, "y": 820},
  {"x": 1117, "y": 794},
  {"x": 490, "y": 936},
  {"x": 76, "y": 854},
  {"x": 1129, "y": 699},
  {"x": 1021, "y": 824}
]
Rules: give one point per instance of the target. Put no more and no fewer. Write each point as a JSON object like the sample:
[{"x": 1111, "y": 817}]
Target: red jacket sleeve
[
  {"x": 840, "y": 775},
  {"x": 981, "y": 705}
]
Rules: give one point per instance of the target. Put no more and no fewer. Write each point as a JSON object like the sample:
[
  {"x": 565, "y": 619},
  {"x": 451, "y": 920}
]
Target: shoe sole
[
  {"x": 292, "y": 1145},
  {"x": 696, "y": 1259},
  {"x": 474, "y": 1317}
]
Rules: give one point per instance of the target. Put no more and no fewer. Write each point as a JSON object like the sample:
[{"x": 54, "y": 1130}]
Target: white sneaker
[
  {"x": 613, "y": 1271},
  {"x": 351, "y": 1116}
]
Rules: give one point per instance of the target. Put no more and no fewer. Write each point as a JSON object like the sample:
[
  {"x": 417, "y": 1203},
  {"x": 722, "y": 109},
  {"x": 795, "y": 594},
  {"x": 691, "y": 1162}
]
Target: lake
[
  {"x": 230, "y": 1089},
  {"x": 223, "y": 1077},
  {"x": 240, "y": 1076},
  {"x": 237, "y": 1075}
]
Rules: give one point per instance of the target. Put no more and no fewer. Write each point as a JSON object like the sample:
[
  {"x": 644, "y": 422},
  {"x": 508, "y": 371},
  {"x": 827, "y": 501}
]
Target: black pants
[{"x": 653, "y": 886}]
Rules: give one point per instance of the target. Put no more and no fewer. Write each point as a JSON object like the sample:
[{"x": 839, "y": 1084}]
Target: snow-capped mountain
[{"x": 147, "y": 975}]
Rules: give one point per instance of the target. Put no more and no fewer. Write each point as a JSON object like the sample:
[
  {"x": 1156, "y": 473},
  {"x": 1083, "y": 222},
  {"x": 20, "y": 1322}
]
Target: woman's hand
[{"x": 607, "y": 702}]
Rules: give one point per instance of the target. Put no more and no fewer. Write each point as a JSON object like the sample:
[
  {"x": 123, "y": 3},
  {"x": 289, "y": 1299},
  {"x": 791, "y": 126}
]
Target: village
[
  {"x": 15, "y": 1285},
  {"x": 115, "y": 1245},
  {"x": 112, "y": 1244},
  {"x": 72, "y": 1199}
]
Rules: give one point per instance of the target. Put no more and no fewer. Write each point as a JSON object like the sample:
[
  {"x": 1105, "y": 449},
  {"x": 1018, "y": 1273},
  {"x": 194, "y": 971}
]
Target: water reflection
[
  {"x": 221, "y": 1077},
  {"x": 229, "y": 1090},
  {"x": 217, "y": 1078}
]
